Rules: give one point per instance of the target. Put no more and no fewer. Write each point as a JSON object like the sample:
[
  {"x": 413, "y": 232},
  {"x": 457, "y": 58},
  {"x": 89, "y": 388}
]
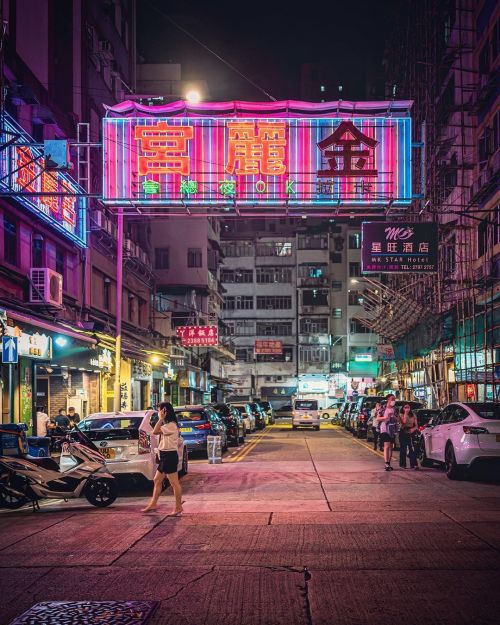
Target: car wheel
[
  {"x": 316, "y": 427},
  {"x": 325, "y": 415},
  {"x": 185, "y": 463},
  {"x": 454, "y": 471},
  {"x": 294, "y": 427}
]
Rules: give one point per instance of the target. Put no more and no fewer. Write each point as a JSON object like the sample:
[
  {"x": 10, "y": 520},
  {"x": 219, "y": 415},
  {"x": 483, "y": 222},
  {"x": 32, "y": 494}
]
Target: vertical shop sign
[{"x": 26, "y": 389}]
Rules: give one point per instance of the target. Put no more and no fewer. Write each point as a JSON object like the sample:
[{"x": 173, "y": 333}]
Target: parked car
[
  {"x": 269, "y": 410},
  {"x": 463, "y": 435},
  {"x": 305, "y": 414},
  {"x": 124, "y": 439},
  {"x": 425, "y": 417},
  {"x": 233, "y": 420},
  {"x": 284, "y": 412},
  {"x": 261, "y": 418},
  {"x": 330, "y": 413},
  {"x": 198, "y": 422},
  {"x": 248, "y": 416}
]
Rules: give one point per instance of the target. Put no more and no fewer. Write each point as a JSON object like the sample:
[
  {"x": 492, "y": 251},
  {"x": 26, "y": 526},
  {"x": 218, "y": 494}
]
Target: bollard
[{"x": 214, "y": 449}]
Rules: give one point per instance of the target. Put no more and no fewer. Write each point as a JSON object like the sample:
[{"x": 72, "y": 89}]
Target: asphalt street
[{"x": 295, "y": 528}]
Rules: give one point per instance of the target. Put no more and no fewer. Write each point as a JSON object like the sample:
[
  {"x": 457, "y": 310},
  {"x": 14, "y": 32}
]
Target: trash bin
[
  {"x": 38, "y": 446},
  {"x": 214, "y": 449},
  {"x": 13, "y": 439}
]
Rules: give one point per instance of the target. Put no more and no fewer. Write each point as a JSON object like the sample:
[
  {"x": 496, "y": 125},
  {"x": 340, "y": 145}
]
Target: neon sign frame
[
  {"x": 208, "y": 174},
  {"x": 22, "y": 175}
]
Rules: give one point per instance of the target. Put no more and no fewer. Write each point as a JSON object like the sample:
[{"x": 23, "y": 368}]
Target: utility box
[{"x": 214, "y": 449}]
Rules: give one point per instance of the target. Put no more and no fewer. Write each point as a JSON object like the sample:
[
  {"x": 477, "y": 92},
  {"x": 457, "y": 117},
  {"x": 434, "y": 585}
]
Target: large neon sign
[
  {"x": 160, "y": 158},
  {"x": 51, "y": 195}
]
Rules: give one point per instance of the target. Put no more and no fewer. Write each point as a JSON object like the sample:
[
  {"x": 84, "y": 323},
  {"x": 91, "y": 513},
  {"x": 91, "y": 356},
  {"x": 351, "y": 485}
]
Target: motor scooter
[{"x": 25, "y": 479}]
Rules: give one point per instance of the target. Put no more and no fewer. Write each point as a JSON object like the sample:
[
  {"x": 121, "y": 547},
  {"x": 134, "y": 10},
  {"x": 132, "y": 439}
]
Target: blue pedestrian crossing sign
[{"x": 10, "y": 350}]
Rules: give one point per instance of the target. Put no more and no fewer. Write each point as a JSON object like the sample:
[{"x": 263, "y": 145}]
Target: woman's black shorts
[
  {"x": 385, "y": 438},
  {"x": 168, "y": 462}
]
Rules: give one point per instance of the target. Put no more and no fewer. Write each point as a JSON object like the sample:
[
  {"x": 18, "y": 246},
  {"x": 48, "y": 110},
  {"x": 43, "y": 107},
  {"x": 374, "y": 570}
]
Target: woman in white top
[{"x": 168, "y": 429}]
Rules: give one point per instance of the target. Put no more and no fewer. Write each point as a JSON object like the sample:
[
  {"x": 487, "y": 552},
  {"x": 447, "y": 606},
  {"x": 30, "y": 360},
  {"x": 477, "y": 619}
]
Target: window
[
  {"x": 60, "y": 257},
  {"x": 356, "y": 327},
  {"x": 314, "y": 354},
  {"x": 355, "y": 241},
  {"x": 274, "y": 248},
  {"x": 314, "y": 325},
  {"x": 355, "y": 298},
  {"x": 336, "y": 286},
  {"x": 106, "y": 293},
  {"x": 244, "y": 354},
  {"x": 240, "y": 328},
  {"x": 236, "y": 249},
  {"x": 337, "y": 313},
  {"x": 162, "y": 258},
  {"x": 236, "y": 276},
  {"x": 315, "y": 297},
  {"x": 285, "y": 356},
  {"x": 274, "y": 328},
  {"x": 270, "y": 275},
  {"x": 312, "y": 270},
  {"x": 37, "y": 251},
  {"x": 335, "y": 257},
  {"x": 354, "y": 269},
  {"x": 10, "y": 240},
  {"x": 315, "y": 242},
  {"x": 194, "y": 257},
  {"x": 131, "y": 306},
  {"x": 239, "y": 302},
  {"x": 283, "y": 302}
]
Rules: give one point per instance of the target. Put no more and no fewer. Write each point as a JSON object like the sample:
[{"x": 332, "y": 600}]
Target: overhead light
[
  {"x": 193, "y": 96},
  {"x": 155, "y": 359},
  {"x": 61, "y": 341}
]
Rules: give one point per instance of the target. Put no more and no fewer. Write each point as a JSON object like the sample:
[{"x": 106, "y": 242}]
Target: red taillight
[
  {"x": 144, "y": 443},
  {"x": 469, "y": 429},
  {"x": 203, "y": 426}
]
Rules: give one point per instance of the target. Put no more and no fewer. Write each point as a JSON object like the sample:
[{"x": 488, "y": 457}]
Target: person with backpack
[{"x": 388, "y": 428}]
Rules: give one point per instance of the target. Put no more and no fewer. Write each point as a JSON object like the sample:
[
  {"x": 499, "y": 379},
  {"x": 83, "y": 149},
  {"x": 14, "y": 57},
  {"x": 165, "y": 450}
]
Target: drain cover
[{"x": 87, "y": 613}]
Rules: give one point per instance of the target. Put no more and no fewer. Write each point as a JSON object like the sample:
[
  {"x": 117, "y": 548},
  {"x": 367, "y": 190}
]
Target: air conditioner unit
[{"x": 46, "y": 287}]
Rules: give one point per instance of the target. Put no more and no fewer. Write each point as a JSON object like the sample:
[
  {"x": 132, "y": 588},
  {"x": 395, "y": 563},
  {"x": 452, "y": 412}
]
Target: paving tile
[
  {"x": 400, "y": 517},
  {"x": 19, "y": 525}
]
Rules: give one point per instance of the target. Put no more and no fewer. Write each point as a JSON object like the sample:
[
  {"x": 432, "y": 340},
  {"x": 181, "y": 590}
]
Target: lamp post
[{"x": 119, "y": 288}]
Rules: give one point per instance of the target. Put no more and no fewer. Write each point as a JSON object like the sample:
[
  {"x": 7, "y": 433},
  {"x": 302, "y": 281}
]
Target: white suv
[
  {"x": 463, "y": 435},
  {"x": 126, "y": 442}
]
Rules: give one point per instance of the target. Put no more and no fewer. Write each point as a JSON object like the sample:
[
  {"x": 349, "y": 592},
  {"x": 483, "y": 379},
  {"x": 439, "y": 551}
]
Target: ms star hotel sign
[{"x": 242, "y": 154}]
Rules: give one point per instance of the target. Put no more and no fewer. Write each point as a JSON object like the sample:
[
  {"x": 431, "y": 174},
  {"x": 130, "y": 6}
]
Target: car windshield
[
  {"x": 111, "y": 423},
  {"x": 486, "y": 410},
  {"x": 302, "y": 404},
  {"x": 191, "y": 415}
]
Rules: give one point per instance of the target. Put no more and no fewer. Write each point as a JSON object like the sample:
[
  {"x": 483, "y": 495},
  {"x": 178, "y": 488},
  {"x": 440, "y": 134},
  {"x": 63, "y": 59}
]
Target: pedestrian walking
[
  {"x": 408, "y": 427},
  {"x": 167, "y": 428},
  {"x": 375, "y": 413},
  {"x": 388, "y": 428}
]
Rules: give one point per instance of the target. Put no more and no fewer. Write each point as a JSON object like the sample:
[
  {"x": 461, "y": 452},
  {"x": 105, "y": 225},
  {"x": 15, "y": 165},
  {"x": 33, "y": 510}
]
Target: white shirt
[
  {"x": 169, "y": 439},
  {"x": 41, "y": 423}
]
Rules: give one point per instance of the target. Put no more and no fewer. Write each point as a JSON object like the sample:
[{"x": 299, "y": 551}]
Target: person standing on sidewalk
[
  {"x": 408, "y": 424},
  {"x": 375, "y": 424},
  {"x": 168, "y": 429},
  {"x": 388, "y": 427}
]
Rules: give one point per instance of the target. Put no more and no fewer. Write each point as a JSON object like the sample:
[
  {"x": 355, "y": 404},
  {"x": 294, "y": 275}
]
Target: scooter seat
[{"x": 44, "y": 462}]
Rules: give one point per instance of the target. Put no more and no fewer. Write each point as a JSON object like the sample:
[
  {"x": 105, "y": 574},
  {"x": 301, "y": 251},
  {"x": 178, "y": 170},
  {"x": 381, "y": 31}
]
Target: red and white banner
[
  {"x": 197, "y": 335},
  {"x": 268, "y": 347}
]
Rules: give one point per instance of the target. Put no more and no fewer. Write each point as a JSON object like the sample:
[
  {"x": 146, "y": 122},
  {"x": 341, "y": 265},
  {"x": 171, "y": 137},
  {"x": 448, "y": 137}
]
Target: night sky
[{"x": 267, "y": 41}]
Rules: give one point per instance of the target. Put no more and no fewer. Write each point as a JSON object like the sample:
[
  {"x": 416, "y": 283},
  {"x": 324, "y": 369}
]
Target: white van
[{"x": 305, "y": 413}]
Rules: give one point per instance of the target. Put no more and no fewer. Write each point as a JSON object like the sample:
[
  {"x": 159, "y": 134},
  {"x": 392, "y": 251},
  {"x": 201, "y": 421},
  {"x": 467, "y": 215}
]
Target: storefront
[{"x": 141, "y": 384}]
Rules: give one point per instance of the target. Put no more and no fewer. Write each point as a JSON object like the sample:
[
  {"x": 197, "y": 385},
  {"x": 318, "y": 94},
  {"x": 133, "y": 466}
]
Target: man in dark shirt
[
  {"x": 74, "y": 417},
  {"x": 62, "y": 419}
]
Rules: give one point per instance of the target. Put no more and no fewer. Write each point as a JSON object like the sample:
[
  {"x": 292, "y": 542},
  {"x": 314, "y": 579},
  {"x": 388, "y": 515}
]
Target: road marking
[
  {"x": 369, "y": 447},
  {"x": 248, "y": 448}
]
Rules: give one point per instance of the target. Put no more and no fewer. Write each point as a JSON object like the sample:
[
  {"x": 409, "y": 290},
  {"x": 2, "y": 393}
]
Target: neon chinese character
[
  {"x": 377, "y": 247},
  {"x": 164, "y": 146},
  {"x": 27, "y": 169},
  {"x": 347, "y": 137},
  {"x": 151, "y": 187},
  {"x": 423, "y": 247},
  {"x": 252, "y": 152},
  {"x": 189, "y": 187},
  {"x": 49, "y": 185},
  {"x": 68, "y": 204},
  {"x": 227, "y": 187},
  {"x": 408, "y": 247},
  {"x": 392, "y": 247}
]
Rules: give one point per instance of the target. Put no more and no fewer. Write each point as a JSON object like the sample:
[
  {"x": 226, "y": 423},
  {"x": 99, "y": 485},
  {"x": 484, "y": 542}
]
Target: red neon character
[
  {"x": 164, "y": 146},
  {"x": 50, "y": 185},
  {"x": 68, "y": 204},
  {"x": 27, "y": 169},
  {"x": 347, "y": 137},
  {"x": 254, "y": 151}
]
